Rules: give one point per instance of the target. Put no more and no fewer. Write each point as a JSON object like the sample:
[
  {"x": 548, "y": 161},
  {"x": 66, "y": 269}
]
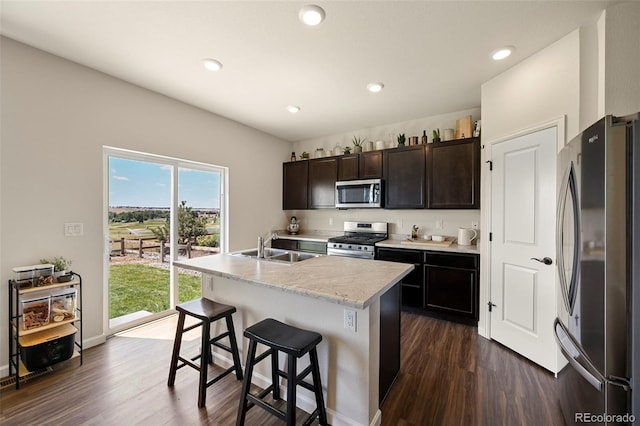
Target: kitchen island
[{"x": 357, "y": 366}]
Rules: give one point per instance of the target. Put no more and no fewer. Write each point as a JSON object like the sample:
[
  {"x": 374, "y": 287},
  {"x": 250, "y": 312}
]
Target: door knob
[{"x": 546, "y": 260}]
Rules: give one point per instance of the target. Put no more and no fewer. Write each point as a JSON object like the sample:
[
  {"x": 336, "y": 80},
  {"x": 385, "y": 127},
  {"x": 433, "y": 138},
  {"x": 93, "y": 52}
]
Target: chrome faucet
[{"x": 262, "y": 243}]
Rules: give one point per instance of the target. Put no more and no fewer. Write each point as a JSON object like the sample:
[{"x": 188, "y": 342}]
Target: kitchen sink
[
  {"x": 268, "y": 252},
  {"x": 292, "y": 257},
  {"x": 277, "y": 255}
]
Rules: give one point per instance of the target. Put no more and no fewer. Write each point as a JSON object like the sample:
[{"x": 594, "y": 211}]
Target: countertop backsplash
[{"x": 330, "y": 221}]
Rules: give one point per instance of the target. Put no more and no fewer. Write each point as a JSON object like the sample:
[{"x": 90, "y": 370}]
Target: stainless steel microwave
[{"x": 358, "y": 194}]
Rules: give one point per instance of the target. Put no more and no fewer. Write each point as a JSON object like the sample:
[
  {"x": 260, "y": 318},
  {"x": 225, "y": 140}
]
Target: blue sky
[{"x": 144, "y": 184}]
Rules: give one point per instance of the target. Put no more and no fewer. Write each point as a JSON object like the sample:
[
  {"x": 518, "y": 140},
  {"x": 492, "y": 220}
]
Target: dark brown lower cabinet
[
  {"x": 451, "y": 290},
  {"x": 412, "y": 285},
  {"x": 443, "y": 284}
]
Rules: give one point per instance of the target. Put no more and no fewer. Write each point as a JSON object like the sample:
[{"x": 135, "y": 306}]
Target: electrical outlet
[
  {"x": 207, "y": 280},
  {"x": 73, "y": 229},
  {"x": 350, "y": 319},
  {"x": 474, "y": 225},
  {"x": 439, "y": 224}
]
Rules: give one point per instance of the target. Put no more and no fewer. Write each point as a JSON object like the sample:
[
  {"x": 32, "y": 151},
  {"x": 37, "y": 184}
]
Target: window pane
[
  {"x": 139, "y": 209},
  {"x": 198, "y": 224}
]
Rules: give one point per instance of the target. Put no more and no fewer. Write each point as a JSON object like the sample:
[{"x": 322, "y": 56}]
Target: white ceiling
[{"x": 432, "y": 56}]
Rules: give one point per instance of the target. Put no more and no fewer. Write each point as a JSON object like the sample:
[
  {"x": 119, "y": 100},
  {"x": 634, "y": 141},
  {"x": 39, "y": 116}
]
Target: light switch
[{"x": 73, "y": 229}]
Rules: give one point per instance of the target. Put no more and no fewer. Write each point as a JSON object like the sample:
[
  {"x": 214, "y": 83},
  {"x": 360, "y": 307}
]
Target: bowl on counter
[{"x": 438, "y": 238}]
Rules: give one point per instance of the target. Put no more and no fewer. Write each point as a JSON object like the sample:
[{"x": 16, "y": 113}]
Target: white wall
[
  {"x": 622, "y": 59},
  {"x": 540, "y": 89},
  {"x": 400, "y": 221},
  {"x": 57, "y": 115},
  {"x": 545, "y": 86}
]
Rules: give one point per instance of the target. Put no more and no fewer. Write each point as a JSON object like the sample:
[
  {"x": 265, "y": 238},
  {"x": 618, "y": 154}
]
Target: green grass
[
  {"x": 135, "y": 288},
  {"x": 119, "y": 230}
]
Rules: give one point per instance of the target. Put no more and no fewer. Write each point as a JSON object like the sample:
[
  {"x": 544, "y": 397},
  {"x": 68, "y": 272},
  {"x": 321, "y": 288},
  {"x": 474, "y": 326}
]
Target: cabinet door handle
[{"x": 545, "y": 260}]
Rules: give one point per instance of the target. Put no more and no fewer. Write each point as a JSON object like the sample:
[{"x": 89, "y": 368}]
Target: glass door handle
[{"x": 545, "y": 260}]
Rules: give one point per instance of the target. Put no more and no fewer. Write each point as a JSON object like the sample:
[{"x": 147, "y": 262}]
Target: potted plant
[
  {"x": 304, "y": 155},
  {"x": 401, "y": 139},
  {"x": 346, "y": 150},
  {"x": 357, "y": 144},
  {"x": 436, "y": 135},
  {"x": 60, "y": 268}
]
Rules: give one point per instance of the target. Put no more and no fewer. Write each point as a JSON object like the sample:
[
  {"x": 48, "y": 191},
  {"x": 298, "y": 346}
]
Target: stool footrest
[
  {"x": 262, "y": 356},
  {"x": 259, "y": 402},
  {"x": 221, "y": 375},
  {"x": 222, "y": 346},
  {"x": 219, "y": 337},
  {"x": 312, "y": 417},
  {"x": 191, "y": 327},
  {"x": 187, "y": 362}
]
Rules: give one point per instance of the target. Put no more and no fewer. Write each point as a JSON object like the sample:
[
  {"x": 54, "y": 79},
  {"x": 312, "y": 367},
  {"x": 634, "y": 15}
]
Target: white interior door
[{"x": 523, "y": 207}]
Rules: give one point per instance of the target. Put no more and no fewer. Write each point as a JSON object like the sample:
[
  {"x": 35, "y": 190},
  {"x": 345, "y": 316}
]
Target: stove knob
[{"x": 340, "y": 245}]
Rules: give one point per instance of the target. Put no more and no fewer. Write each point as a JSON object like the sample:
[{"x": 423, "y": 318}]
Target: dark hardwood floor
[{"x": 449, "y": 376}]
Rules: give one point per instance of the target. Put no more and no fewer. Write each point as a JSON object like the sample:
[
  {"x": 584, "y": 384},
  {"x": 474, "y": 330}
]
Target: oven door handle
[{"x": 349, "y": 253}]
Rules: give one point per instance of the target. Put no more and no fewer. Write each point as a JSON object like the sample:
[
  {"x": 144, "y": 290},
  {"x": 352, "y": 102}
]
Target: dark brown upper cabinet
[
  {"x": 366, "y": 165},
  {"x": 404, "y": 177},
  {"x": 294, "y": 185},
  {"x": 348, "y": 167},
  {"x": 323, "y": 174},
  {"x": 370, "y": 165},
  {"x": 453, "y": 174}
]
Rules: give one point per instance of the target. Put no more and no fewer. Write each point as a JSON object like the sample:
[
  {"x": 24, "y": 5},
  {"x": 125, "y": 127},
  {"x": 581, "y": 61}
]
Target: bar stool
[
  {"x": 207, "y": 311},
  {"x": 295, "y": 342}
]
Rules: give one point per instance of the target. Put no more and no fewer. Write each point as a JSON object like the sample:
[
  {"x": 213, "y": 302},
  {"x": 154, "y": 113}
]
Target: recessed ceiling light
[
  {"x": 375, "y": 87},
  {"x": 502, "y": 53},
  {"x": 311, "y": 14},
  {"x": 293, "y": 109},
  {"x": 212, "y": 64}
]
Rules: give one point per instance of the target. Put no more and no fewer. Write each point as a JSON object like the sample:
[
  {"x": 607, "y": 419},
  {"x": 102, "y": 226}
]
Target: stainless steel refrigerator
[{"x": 598, "y": 260}]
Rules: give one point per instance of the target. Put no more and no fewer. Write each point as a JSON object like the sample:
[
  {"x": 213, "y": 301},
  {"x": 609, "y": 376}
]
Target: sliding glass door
[{"x": 159, "y": 210}]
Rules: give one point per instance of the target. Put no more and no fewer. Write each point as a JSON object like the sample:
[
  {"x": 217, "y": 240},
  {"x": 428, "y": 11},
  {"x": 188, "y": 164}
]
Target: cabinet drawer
[
  {"x": 452, "y": 260},
  {"x": 399, "y": 255}
]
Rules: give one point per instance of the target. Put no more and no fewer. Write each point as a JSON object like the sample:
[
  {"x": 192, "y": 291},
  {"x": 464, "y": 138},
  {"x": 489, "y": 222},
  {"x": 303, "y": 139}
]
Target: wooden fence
[{"x": 142, "y": 244}]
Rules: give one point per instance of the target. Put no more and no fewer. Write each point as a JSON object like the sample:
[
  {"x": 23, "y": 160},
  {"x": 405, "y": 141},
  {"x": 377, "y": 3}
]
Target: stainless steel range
[{"x": 359, "y": 239}]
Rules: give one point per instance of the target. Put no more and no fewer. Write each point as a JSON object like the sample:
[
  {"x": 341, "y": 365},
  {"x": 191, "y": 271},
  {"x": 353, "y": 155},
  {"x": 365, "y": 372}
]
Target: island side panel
[
  {"x": 389, "y": 340},
  {"x": 349, "y": 361}
]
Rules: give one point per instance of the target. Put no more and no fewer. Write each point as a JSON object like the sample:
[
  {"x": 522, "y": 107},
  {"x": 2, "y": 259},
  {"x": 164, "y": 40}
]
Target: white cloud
[{"x": 120, "y": 178}]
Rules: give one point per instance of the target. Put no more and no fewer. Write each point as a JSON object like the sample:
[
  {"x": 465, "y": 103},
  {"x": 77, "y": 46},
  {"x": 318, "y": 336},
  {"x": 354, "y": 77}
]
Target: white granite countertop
[
  {"x": 427, "y": 245},
  {"x": 342, "y": 280}
]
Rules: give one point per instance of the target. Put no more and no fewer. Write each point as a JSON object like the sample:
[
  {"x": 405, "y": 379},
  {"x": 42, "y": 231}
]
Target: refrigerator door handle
[
  {"x": 571, "y": 350},
  {"x": 568, "y": 188}
]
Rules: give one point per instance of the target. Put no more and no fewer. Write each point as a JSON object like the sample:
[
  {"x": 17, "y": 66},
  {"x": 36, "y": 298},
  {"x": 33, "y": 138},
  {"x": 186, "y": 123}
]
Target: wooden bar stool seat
[
  {"x": 207, "y": 311},
  {"x": 294, "y": 342}
]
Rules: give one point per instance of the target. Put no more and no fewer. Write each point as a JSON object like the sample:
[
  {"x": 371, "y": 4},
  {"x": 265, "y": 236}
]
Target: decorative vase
[{"x": 357, "y": 149}]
